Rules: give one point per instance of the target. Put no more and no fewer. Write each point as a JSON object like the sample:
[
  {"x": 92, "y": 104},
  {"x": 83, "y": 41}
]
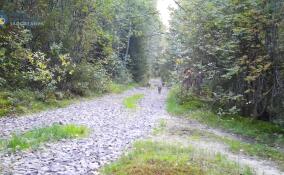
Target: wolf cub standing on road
[{"x": 160, "y": 85}]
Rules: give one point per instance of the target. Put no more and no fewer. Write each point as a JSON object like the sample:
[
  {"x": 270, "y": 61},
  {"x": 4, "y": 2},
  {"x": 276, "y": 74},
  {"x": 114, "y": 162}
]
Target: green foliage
[
  {"x": 119, "y": 88},
  {"x": 173, "y": 106},
  {"x": 262, "y": 132},
  {"x": 120, "y": 72},
  {"x": 259, "y": 131},
  {"x": 5, "y": 104},
  {"x": 179, "y": 103},
  {"x": 265, "y": 137},
  {"x": 241, "y": 146},
  {"x": 160, "y": 158},
  {"x": 27, "y": 101},
  {"x": 12, "y": 55},
  {"x": 80, "y": 48},
  {"x": 88, "y": 78},
  {"x": 237, "y": 46},
  {"x": 259, "y": 150},
  {"x": 161, "y": 127},
  {"x": 35, "y": 137},
  {"x": 131, "y": 102}
]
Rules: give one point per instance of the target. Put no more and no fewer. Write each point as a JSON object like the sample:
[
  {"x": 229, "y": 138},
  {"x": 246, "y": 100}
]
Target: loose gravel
[{"x": 113, "y": 129}]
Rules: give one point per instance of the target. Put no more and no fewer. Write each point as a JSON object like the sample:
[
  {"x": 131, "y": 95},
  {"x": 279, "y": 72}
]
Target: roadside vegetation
[
  {"x": 160, "y": 128},
  {"x": 231, "y": 52},
  {"x": 26, "y": 101},
  {"x": 119, "y": 88},
  {"x": 259, "y": 138},
  {"x": 226, "y": 57},
  {"x": 34, "y": 138},
  {"x": 60, "y": 60},
  {"x": 154, "y": 158},
  {"x": 132, "y": 101}
]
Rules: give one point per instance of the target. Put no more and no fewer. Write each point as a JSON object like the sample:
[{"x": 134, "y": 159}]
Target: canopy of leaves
[
  {"x": 109, "y": 35},
  {"x": 237, "y": 47}
]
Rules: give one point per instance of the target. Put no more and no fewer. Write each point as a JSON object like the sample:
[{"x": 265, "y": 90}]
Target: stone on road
[{"x": 113, "y": 129}]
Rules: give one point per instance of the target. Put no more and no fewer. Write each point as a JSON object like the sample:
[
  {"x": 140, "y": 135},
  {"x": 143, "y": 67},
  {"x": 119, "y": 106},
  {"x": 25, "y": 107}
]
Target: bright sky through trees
[{"x": 163, "y": 8}]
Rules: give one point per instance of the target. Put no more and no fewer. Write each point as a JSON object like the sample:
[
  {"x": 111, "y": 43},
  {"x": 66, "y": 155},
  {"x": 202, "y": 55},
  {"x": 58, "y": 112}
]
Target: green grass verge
[
  {"x": 119, "y": 88},
  {"x": 131, "y": 102},
  {"x": 259, "y": 131},
  {"x": 259, "y": 150},
  {"x": 25, "y": 101},
  {"x": 36, "y": 106},
  {"x": 174, "y": 107},
  {"x": 265, "y": 137},
  {"x": 161, "y": 127},
  {"x": 33, "y": 139},
  {"x": 237, "y": 146},
  {"x": 154, "y": 158}
]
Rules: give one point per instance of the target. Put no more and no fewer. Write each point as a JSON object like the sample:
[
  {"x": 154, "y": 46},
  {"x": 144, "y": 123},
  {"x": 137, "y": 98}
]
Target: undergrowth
[
  {"x": 131, "y": 102},
  {"x": 119, "y": 88},
  {"x": 237, "y": 146},
  {"x": 161, "y": 127},
  {"x": 154, "y": 158},
  {"x": 26, "y": 101},
  {"x": 34, "y": 138},
  {"x": 263, "y": 138}
]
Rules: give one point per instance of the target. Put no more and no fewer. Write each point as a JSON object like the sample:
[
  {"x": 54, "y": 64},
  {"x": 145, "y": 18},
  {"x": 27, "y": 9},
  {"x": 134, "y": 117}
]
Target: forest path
[
  {"x": 113, "y": 129},
  {"x": 186, "y": 132}
]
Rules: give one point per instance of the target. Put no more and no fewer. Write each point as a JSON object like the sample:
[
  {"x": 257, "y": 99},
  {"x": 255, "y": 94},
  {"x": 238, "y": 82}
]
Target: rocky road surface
[{"x": 113, "y": 129}]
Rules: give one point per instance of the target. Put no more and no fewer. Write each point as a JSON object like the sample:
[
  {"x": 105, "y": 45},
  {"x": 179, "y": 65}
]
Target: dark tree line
[
  {"x": 237, "y": 46},
  {"x": 79, "y": 46},
  {"x": 102, "y": 33}
]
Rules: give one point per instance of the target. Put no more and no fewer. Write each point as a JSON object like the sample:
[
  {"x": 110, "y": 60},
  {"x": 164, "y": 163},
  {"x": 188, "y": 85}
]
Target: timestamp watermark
[{"x": 18, "y": 19}]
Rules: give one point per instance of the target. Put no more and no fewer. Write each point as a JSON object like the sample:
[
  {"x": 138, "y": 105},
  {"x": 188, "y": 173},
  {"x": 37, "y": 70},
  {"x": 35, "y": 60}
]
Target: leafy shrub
[
  {"x": 188, "y": 99},
  {"x": 38, "y": 73},
  {"x": 180, "y": 102},
  {"x": 117, "y": 69},
  {"x": 119, "y": 88},
  {"x": 5, "y": 103},
  {"x": 88, "y": 78},
  {"x": 25, "y": 100},
  {"x": 2, "y": 82},
  {"x": 123, "y": 76}
]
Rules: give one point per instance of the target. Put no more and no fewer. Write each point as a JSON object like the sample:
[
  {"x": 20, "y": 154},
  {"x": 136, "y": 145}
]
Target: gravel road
[{"x": 113, "y": 129}]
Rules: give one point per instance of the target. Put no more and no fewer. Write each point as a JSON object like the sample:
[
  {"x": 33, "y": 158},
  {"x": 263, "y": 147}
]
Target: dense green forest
[
  {"x": 142, "y": 87},
  {"x": 79, "y": 48},
  {"x": 230, "y": 52}
]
